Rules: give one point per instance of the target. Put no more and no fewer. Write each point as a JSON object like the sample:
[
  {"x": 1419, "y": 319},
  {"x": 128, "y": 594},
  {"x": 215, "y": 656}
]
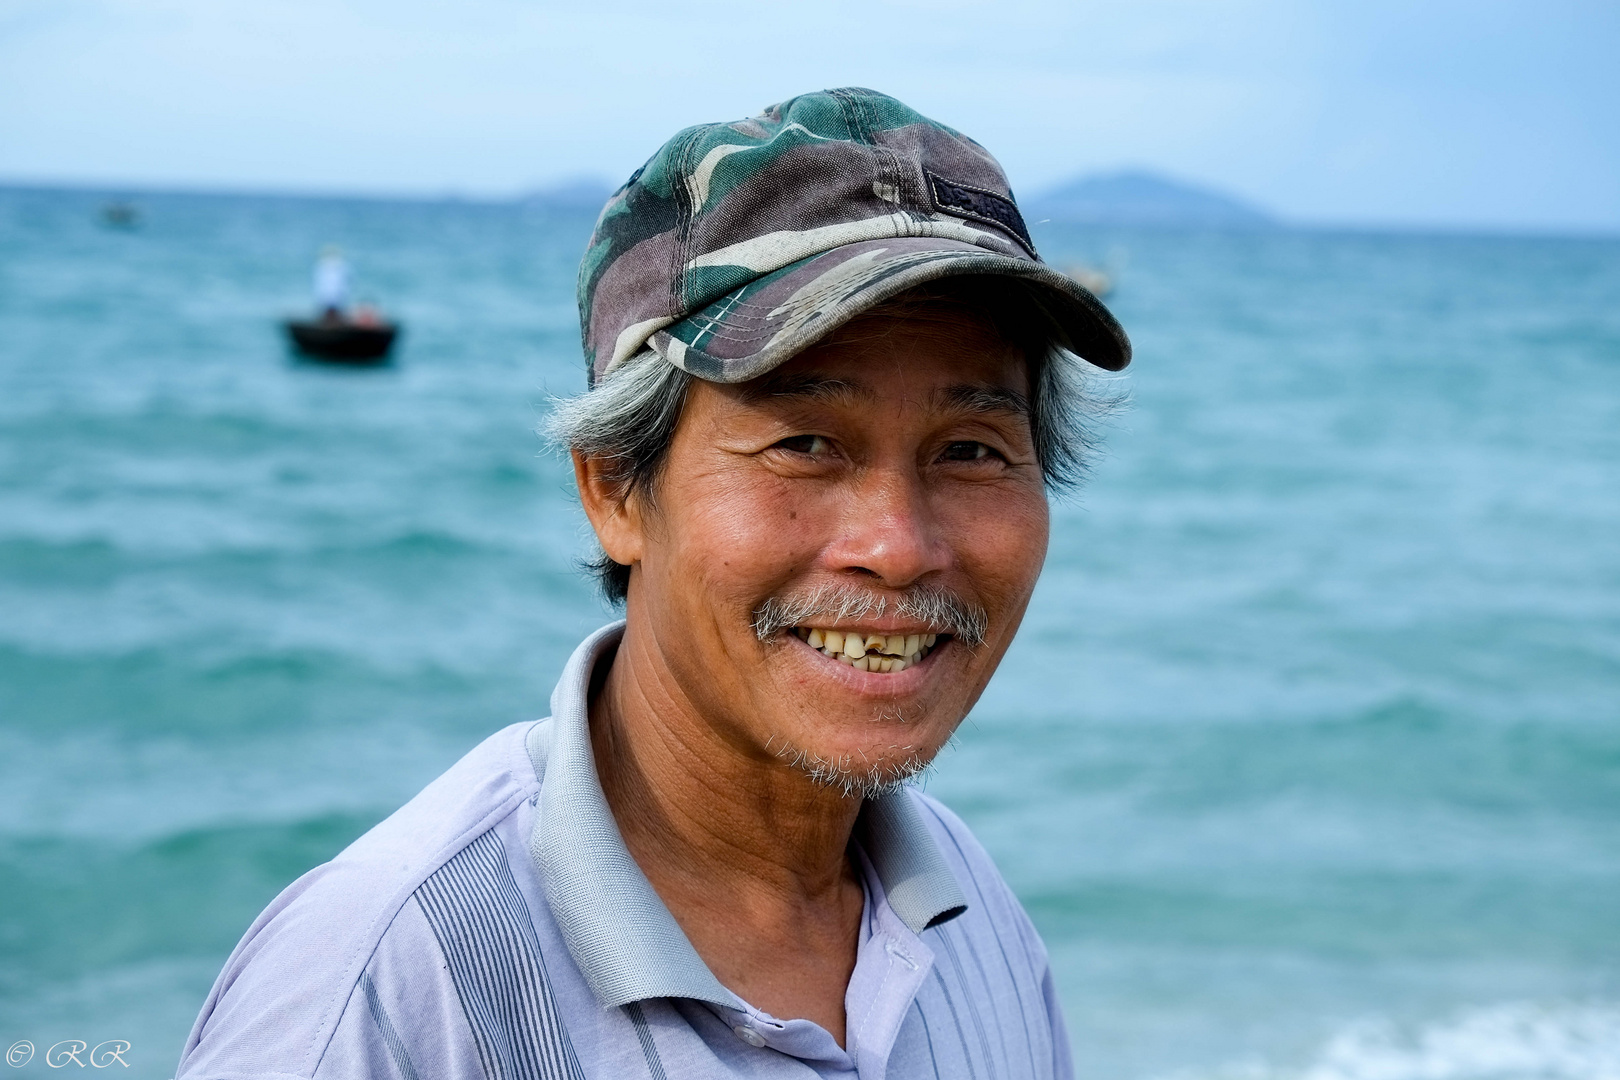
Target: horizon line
[{"x": 537, "y": 194}]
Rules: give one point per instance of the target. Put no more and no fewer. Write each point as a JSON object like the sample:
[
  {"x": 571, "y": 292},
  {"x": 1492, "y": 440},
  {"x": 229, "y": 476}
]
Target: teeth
[{"x": 884, "y": 653}]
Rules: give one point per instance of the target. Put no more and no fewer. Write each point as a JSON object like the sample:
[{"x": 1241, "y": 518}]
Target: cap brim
[{"x": 754, "y": 329}]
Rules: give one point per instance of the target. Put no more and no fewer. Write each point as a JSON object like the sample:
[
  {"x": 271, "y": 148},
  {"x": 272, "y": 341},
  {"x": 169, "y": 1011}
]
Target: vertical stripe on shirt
[
  {"x": 988, "y": 995},
  {"x": 956, "y": 1022},
  {"x": 649, "y": 1049},
  {"x": 928, "y": 1034},
  {"x": 385, "y": 1027},
  {"x": 487, "y": 936}
]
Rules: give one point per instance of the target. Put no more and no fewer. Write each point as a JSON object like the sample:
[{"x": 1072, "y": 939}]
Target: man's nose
[{"x": 890, "y": 531}]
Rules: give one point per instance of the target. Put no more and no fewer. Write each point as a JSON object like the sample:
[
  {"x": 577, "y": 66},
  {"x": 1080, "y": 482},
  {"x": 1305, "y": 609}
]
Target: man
[
  {"x": 830, "y": 386},
  {"x": 331, "y": 282}
]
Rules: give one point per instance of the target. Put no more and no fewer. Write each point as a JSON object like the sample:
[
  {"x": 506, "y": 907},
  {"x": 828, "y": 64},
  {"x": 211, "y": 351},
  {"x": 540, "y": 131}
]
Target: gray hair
[
  {"x": 932, "y": 606},
  {"x": 627, "y": 421},
  {"x": 856, "y": 777}
]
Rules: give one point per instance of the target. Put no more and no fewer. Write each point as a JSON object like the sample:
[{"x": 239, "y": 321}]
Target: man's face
[{"x": 893, "y": 460}]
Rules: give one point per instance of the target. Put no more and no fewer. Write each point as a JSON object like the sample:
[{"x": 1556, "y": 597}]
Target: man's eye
[
  {"x": 806, "y": 444},
  {"x": 966, "y": 451}
]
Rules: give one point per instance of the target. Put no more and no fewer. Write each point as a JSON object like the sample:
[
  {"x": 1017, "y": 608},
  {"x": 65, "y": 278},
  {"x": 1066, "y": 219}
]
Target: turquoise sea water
[{"x": 1307, "y": 762}]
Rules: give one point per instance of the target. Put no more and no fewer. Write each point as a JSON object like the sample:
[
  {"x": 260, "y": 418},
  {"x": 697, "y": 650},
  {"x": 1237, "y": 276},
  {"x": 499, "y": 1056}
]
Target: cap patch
[{"x": 972, "y": 202}]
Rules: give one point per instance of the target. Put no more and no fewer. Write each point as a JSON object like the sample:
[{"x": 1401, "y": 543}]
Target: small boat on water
[
  {"x": 338, "y": 333},
  {"x": 343, "y": 341},
  {"x": 120, "y": 215}
]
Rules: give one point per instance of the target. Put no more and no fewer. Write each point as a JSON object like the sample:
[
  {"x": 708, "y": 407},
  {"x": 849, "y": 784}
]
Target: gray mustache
[{"x": 937, "y": 608}]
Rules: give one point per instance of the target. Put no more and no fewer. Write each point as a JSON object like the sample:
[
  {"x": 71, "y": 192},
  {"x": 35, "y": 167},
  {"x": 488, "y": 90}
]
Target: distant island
[
  {"x": 579, "y": 193},
  {"x": 1144, "y": 198}
]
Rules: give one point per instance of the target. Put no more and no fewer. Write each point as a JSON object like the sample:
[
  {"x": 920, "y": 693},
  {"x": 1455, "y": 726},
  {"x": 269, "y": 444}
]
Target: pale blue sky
[{"x": 1451, "y": 113}]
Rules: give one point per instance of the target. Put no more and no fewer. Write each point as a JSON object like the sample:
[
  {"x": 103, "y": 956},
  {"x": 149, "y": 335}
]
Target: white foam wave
[{"x": 1511, "y": 1041}]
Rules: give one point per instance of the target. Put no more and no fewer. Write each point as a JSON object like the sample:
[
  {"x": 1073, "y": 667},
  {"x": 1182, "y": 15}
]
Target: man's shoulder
[
  {"x": 283, "y": 990},
  {"x": 457, "y": 807}
]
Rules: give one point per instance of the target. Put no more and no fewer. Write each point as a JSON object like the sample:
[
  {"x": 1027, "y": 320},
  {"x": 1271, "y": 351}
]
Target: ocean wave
[
  {"x": 77, "y": 904},
  {"x": 1505, "y": 1041}
]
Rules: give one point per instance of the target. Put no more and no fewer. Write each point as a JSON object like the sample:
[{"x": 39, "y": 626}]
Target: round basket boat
[{"x": 343, "y": 342}]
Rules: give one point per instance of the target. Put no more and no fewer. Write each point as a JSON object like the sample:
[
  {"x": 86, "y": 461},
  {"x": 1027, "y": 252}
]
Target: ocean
[{"x": 1306, "y": 762}]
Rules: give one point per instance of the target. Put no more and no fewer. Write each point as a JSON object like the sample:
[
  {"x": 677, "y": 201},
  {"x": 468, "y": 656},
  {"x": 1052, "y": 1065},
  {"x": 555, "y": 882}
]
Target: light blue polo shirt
[{"x": 496, "y": 927}]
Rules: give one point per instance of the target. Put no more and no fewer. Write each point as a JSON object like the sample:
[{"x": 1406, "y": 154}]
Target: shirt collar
[{"x": 622, "y": 937}]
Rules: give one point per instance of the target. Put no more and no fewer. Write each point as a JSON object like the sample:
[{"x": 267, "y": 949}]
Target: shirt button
[{"x": 749, "y": 1035}]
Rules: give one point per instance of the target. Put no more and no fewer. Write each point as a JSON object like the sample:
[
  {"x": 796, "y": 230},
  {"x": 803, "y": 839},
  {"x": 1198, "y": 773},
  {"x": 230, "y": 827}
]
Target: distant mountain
[
  {"x": 1122, "y": 198},
  {"x": 581, "y": 193},
  {"x": 1144, "y": 198}
]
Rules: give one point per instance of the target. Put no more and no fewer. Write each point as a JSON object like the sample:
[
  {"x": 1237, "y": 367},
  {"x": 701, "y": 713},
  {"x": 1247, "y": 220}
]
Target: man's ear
[{"x": 614, "y": 515}]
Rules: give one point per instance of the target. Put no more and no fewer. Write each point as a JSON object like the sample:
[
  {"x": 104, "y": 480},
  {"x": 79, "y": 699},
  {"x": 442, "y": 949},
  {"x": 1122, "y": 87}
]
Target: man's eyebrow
[
  {"x": 982, "y": 399},
  {"x": 805, "y": 387}
]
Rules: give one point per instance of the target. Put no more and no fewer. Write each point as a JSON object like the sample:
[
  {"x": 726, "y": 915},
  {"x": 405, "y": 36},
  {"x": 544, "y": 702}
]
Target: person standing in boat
[{"x": 332, "y": 284}]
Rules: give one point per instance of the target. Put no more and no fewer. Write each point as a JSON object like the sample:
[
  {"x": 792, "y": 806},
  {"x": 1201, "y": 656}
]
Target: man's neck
[{"x": 750, "y": 855}]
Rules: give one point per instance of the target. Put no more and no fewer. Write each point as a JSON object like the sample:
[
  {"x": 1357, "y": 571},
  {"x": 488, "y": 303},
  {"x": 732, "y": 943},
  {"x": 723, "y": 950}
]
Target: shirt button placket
[{"x": 749, "y": 1035}]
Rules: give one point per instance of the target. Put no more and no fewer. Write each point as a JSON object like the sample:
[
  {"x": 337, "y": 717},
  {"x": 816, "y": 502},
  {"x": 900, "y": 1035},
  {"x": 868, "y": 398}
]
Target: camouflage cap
[{"x": 737, "y": 245}]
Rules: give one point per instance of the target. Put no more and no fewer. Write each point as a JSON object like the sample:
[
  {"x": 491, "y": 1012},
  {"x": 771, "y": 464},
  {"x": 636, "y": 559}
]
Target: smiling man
[{"x": 831, "y": 387}]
